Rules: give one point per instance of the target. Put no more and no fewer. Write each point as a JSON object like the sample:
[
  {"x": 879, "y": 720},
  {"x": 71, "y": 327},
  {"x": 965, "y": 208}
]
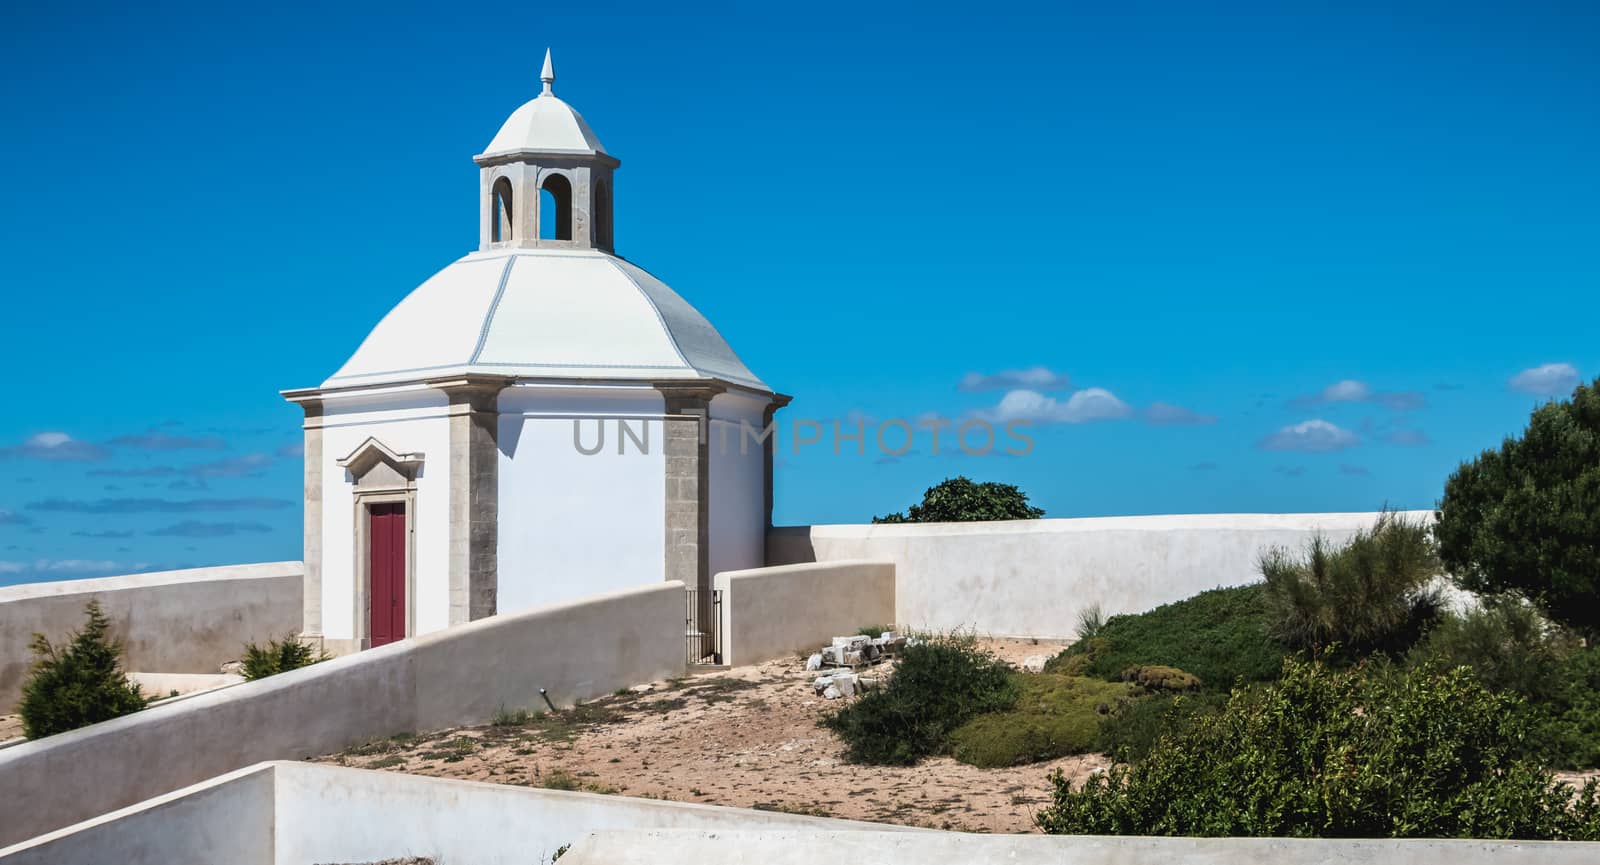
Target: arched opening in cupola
[
  {"x": 555, "y": 208},
  {"x": 500, "y": 221}
]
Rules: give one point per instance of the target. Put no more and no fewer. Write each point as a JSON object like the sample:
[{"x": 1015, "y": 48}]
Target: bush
[
  {"x": 279, "y": 656},
  {"x": 1134, "y": 726},
  {"x": 939, "y": 683},
  {"x": 1512, "y": 650},
  {"x": 78, "y": 684},
  {"x": 1218, "y": 635},
  {"x": 1338, "y": 753},
  {"x": 1525, "y": 519},
  {"x": 959, "y": 500},
  {"x": 1054, "y": 716},
  {"x": 1370, "y": 594},
  {"x": 1159, "y": 678}
]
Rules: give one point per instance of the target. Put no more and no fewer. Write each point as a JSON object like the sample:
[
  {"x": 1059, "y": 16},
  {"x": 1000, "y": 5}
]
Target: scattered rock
[
  {"x": 234, "y": 668},
  {"x": 814, "y": 662}
]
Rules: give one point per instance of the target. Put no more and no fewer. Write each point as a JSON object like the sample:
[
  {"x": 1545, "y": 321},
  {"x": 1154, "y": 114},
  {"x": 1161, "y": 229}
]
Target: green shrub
[
  {"x": 1369, "y": 594},
  {"x": 1511, "y": 649},
  {"x": 1218, "y": 635},
  {"x": 78, "y": 684},
  {"x": 1156, "y": 677},
  {"x": 279, "y": 656},
  {"x": 1524, "y": 519},
  {"x": 960, "y": 500},
  {"x": 1134, "y": 726},
  {"x": 1507, "y": 645},
  {"x": 1338, "y": 753},
  {"x": 939, "y": 683},
  {"x": 1054, "y": 716}
]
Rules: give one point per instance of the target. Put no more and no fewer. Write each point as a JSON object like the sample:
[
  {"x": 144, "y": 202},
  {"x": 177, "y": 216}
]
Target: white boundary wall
[
  {"x": 790, "y": 847},
  {"x": 772, "y": 612},
  {"x": 189, "y": 621},
  {"x": 1031, "y": 578},
  {"x": 300, "y": 813},
  {"x": 576, "y": 650}
]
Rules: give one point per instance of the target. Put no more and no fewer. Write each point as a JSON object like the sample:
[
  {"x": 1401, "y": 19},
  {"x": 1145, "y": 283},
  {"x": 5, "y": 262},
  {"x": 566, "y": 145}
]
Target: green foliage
[
  {"x": 1090, "y": 620},
  {"x": 874, "y": 631},
  {"x": 1219, "y": 635},
  {"x": 960, "y": 500},
  {"x": 939, "y": 683},
  {"x": 78, "y": 684},
  {"x": 1134, "y": 726},
  {"x": 1338, "y": 753},
  {"x": 1369, "y": 594},
  {"x": 1156, "y": 677},
  {"x": 279, "y": 656},
  {"x": 1525, "y": 519},
  {"x": 1053, "y": 716},
  {"x": 1514, "y": 651}
]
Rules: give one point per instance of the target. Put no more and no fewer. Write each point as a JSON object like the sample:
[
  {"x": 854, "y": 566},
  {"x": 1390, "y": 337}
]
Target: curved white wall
[
  {"x": 737, "y": 509},
  {"x": 573, "y": 524},
  {"x": 406, "y": 422}
]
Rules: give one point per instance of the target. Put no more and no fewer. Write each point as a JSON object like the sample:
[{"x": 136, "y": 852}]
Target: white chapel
[{"x": 538, "y": 421}]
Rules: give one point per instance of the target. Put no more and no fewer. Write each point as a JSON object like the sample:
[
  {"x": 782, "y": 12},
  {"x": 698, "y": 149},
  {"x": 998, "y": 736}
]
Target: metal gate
[{"x": 702, "y": 632}]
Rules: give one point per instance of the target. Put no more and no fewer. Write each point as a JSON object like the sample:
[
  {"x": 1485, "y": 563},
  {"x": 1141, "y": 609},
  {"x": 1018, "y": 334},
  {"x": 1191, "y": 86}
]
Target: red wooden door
[{"x": 388, "y": 570}]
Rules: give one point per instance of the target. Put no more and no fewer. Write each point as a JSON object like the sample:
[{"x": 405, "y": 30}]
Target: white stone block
[
  {"x": 814, "y": 662},
  {"x": 1034, "y": 663},
  {"x": 831, "y": 693}
]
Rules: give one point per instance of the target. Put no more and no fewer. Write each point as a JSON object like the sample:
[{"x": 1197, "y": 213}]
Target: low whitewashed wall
[
  {"x": 1031, "y": 578},
  {"x": 301, "y": 813},
  {"x": 188, "y": 621},
  {"x": 228, "y": 819},
  {"x": 772, "y": 612},
  {"x": 577, "y": 650},
  {"x": 789, "y": 847},
  {"x": 332, "y": 814}
]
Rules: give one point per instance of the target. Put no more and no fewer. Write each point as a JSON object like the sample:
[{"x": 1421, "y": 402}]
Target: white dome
[
  {"x": 544, "y": 124},
  {"x": 566, "y": 314}
]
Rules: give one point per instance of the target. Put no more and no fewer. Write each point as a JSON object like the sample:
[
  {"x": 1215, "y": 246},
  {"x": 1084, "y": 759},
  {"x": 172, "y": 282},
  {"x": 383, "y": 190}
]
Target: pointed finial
[{"x": 548, "y": 76}]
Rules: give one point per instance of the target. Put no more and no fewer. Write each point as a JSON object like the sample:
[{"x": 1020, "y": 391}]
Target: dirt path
[{"x": 746, "y": 737}]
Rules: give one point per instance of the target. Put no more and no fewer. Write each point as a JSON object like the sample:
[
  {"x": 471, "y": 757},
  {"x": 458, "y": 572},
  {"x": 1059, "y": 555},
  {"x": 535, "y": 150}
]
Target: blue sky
[{"x": 1269, "y": 258}]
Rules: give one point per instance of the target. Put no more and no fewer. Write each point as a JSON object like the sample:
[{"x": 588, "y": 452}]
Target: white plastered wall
[
  {"x": 737, "y": 510},
  {"x": 573, "y": 524},
  {"x": 405, "y": 421}
]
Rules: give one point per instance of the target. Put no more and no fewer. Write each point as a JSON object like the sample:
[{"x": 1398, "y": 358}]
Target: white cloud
[
  {"x": 1033, "y": 378},
  {"x": 1167, "y": 414},
  {"x": 55, "y": 447},
  {"x": 1089, "y": 404},
  {"x": 1551, "y": 379},
  {"x": 1312, "y": 436},
  {"x": 1350, "y": 390}
]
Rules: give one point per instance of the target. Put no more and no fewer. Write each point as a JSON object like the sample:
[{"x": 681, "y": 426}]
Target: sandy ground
[
  {"x": 10, "y": 727},
  {"x": 746, "y": 737}
]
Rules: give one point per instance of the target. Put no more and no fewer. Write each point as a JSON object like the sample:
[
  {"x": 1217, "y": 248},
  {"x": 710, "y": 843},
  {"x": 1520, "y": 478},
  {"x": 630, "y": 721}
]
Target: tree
[
  {"x": 1525, "y": 519},
  {"x": 960, "y": 500},
  {"x": 78, "y": 684}
]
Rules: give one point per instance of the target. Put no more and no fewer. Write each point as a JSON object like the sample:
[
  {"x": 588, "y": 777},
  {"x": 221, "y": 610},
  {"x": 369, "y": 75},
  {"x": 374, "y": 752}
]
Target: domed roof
[
  {"x": 544, "y": 124},
  {"x": 544, "y": 313}
]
